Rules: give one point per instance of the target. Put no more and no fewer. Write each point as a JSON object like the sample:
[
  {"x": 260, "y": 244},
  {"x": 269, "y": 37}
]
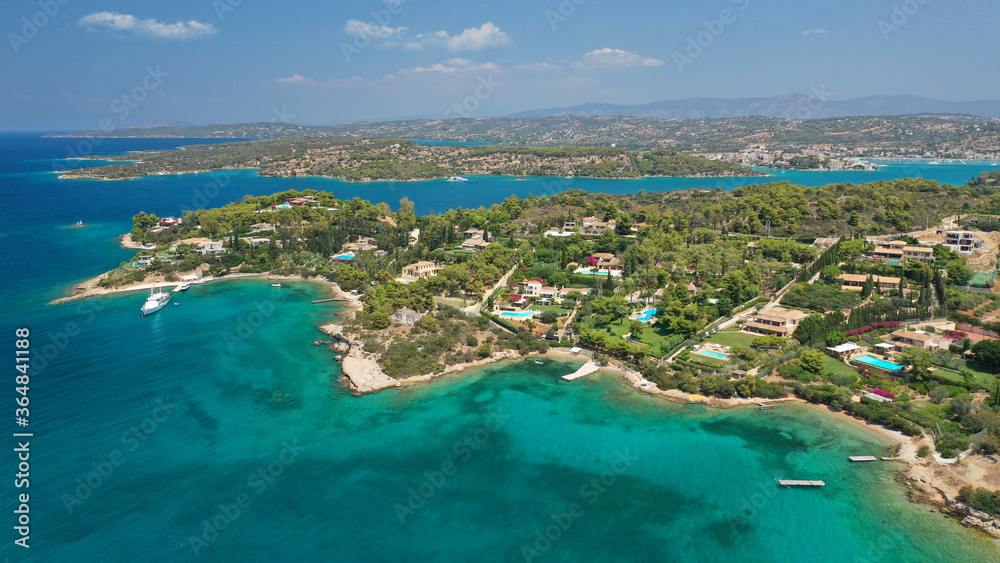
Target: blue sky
[{"x": 79, "y": 64}]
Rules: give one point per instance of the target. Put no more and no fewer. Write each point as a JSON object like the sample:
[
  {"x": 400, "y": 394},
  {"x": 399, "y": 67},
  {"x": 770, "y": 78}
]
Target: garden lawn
[
  {"x": 733, "y": 338},
  {"x": 706, "y": 360},
  {"x": 561, "y": 311},
  {"x": 832, "y": 365},
  {"x": 984, "y": 379},
  {"x": 660, "y": 340}
]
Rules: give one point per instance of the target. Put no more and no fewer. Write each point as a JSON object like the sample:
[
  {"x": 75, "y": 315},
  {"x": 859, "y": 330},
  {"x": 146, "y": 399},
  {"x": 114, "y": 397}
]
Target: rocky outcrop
[{"x": 972, "y": 518}]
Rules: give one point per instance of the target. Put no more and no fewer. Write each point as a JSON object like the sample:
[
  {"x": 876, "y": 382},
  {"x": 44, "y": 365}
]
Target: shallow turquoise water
[{"x": 152, "y": 432}]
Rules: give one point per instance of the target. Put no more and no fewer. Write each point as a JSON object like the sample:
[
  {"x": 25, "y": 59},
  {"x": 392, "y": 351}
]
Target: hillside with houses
[{"x": 832, "y": 296}]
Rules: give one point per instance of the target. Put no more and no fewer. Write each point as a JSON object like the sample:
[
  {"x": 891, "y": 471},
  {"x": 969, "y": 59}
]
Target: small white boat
[
  {"x": 458, "y": 179},
  {"x": 539, "y": 363},
  {"x": 156, "y": 301},
  {"x": 275, "y": 285}
]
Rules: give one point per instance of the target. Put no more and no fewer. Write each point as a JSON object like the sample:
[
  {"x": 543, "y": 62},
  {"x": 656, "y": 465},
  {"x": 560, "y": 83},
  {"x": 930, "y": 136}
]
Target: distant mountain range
[{"x": 788, "y": 106}]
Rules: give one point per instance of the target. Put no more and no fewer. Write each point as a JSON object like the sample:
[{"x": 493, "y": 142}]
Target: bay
[{"x": 149, "y": 430}]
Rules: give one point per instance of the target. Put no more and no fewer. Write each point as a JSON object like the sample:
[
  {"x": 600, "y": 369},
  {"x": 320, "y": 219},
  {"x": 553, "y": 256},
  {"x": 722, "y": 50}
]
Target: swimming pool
[
  {"x": 343, "y": 257},
  {"x": 881, "y": 364},
  {"x": 649, "y": 312},
  {"x": 893, "y": 262},
  {"x": 513, "y": 315},
  {"x": 712, "y": 354}
]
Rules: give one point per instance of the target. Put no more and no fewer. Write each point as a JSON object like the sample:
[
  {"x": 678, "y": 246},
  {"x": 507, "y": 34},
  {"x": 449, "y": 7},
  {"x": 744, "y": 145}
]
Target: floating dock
[
  {"x": 857, "y": 458},
  {"x": 586, "y": 369},
  {"x": 798, "y": 483}
]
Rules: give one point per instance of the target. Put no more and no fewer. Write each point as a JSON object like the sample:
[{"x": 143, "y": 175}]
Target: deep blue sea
[{"x": 215, "y": 430}]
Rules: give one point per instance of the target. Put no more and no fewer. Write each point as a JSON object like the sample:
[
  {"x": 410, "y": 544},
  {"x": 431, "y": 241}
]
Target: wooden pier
[
  {"x": 325, "y": 300},
  {"x": 858, "y": 458},
  {"x": 798, "y": 483}
]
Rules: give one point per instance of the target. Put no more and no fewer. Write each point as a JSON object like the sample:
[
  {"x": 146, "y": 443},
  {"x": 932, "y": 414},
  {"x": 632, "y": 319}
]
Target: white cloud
[
  {"x": 814, "y": 31},
  {"x": 474, "y": 39},
  {"x": 147, "y": 27},
  {"x": 452, "y": 66},
  {"x": 296, "y": 79},
  {"x": 356, "y": 27},
  {"x": 613, "y": 58}
]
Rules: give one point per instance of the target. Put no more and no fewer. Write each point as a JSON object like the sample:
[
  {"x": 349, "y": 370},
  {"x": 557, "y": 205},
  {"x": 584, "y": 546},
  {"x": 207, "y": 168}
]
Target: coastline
[
  {"x": 89, "y": 288},
  {"x": 65, "y": 175},
  {"x": 931, "y": 480}
]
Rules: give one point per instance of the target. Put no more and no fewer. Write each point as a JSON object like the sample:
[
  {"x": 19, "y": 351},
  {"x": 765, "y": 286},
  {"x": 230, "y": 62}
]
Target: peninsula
[
  {"x": 846, "y": 304},
  {"x": 372, "y": 159}
]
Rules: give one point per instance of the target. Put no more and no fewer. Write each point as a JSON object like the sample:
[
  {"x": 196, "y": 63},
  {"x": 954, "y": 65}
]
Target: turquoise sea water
[{"x": 216, "y": 430}]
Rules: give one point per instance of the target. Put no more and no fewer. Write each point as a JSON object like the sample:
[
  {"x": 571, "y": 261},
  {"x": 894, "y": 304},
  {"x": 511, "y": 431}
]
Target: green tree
[
  {"x": 380, "y": 320},
  {"x": 811, "y": 360},
  {"x": 548, "y": 317},
  {"x": 919, "y": 360},
  {"x": 987, "y": 354},
  {"x": 938, "y": 394},
  {"x": 958, "y": 272},
  {"x": 636, "y": 328},
  {"x": 835, "y": 338}
]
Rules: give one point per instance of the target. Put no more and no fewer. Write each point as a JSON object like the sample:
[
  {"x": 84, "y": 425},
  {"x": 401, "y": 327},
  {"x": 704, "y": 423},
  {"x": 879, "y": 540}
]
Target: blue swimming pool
[
  {"x": 343, "y": 257},
  {"x": 649, "y": 312},
  {"x": 513, "y": 315},
  {"x": 881, "y": 364},
  {"x": 712, "y": 354}
]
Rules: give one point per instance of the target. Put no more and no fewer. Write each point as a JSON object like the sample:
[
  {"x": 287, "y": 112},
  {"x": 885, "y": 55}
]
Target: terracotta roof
[{"x": 919, "y": 337}]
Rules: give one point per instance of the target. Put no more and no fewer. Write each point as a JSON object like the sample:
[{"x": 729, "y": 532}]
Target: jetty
[
  {"x": 858, "y": 458},
  {"x": 799, "y": 483},
  {"x": 765, "y": 407},
  {"x": 325, "y": 300},
  {"x": 586, "y": 369}
]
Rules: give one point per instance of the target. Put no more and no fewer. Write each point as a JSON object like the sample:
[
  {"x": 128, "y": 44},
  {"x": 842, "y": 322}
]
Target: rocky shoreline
[
  {"x": 933, "y": 481},
  {"x": 362, "y": 374}
]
